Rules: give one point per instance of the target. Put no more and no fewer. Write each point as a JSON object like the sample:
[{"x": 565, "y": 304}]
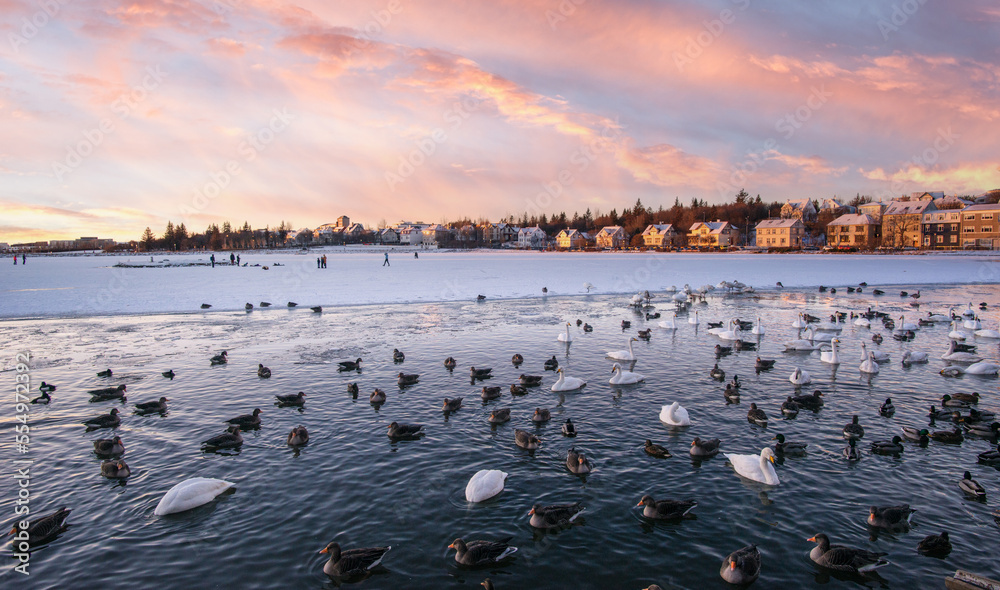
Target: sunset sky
[{"x": 122, "y": 115}]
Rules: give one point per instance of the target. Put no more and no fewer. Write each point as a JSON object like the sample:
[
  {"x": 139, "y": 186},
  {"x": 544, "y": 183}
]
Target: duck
[
  {"x": 552, "y": 364},
  {"x": 674, "y": 414},
  {"x": 397, "y": 356},
  {"x": 717, "y": 373},
  {"x": 894, "y": 518},
  {"x": 354, "y": 365},
  {"x": 587, "y": 327},
  {"x": 108, "y": 393},
  {"x": 109, "y": 446},
  {"x": 220, "y": 359},
  {"x": 731, "y": 394},
  {"x": 565, "y": 383},
  {"x": 948, "y": 402},
  {"x": 481, "y": 553},
  {"x": 206, "y": 306},
  {"x": 626, "y": 325},
  {"x": 764, "y": 364},
  {"x": 352, "y": 388},
  {"x": 887, "y": 409},
  {"x": 115, "y": 469},
  {"x": 919, "y": 435},
  {"x": 490, "y": 393},
  {"x": 518, "y": 389},
  {"x": 721, "y": 351},
  {"x": 292, "y": 304},
  {"x": 869, "y": 366},
  {"x": 317, "y": 308},
  {"x": 969, "y": 398},
  {"x": 451, "y": 405},
  {"x": 265, "y": 303},
  {"x": 783, "y": 447},
  {"x": 623, "y": 355},
  {"x": 353, "y": 562},
  {"x": 831, "y": 356},
  {"x": 109, "y": 420},
  {"x": 670, "y": 323},
  {"x": 485, "y": 484},
  {"x": 450, "y": 363},
  {"x": 516, "y": 360},
  {"x": 813, "y": 401},
  {"x": 877, "y": 338},
  {"x": 298, "y": 437},
  {"x": 622, "y": 377},
  {"x": 935, "y": 545},
  {"x": 530, "y": 380},
  {"x": 263, "y": 372},
  {"x": 46, "y": 387},
  {"x": 972, "y": 487},
  {"x": 665, "y": 509},
  {"x": 568, "y": 428},
  {"x": 499, "y": 416},
  {"x": 741, "y": 567},
  {"x": 169, "y": 374},
  {"x": 800, "y": 377},
  {"x": 526, "y": 440},
  {"x": 541, "y": 415},
  {"x": 986, "y": 430},
  {"x": 403, "y": 431},
  {"x": 554, "y": 515},
  {"x": 159, "y": 405},
  {"x": 705, "y": 448},
  {"x": 247, "y": 420},
  {"x": 845, "y": 559},
  {"x": 480, "y": 373},
  {"x": 854, "y": 429},
  {"x": 990, "y": 457},
  {"x": 42, "y": 399},
  {"x": 230, "y": 439},
  {"x": 948, "y": 436},
  {"x": 955, "y": 355},
  {"x": 107, "y": 373},
  {"x": 577, "y": 462},
  {"x": 756, "y": 416},
  {"x": 911, "y": 357},
  {"x": 43, "y": 529},
  {"x": 655, "y": 450},
  {"x": 851, "y": 451},
  {"x": 878, "y": 292},
  {"x": 248, "y": 306},
  {"x": 645, "y": 334},
  {"x": 756, "y": 468},
  {"x": 565, "y": 336},
  {"x": 299, "y": 399},
  {"x": 376, "y": 397},
  {"x": 888, "y": 447},
  {"x": 789, "y": 408},
  {"x": 404, "y": 379}
]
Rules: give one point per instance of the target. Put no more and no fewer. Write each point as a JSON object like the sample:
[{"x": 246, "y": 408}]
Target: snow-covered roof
[
  {"x": 907, "y": 207},
  {"x": 777, "y": 223},
  {"x": 662, "y": 228},
  {"x": 853, "y": 219},
  {"x": 983, "y": 207}
]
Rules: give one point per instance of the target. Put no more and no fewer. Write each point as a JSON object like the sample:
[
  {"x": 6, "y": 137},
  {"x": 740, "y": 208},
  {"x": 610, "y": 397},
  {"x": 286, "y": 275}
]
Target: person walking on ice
[{"x": 386, "y": 263}]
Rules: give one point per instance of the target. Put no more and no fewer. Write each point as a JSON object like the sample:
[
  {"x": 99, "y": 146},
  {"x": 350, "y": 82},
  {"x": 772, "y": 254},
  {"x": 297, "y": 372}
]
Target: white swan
[
  {"x": 831, "y": 356},
  {"x": 800, "y": 322},
  {"x": 671, "y": 322},
  {"x": 862, "y": 323},
  {"x": 675, "y": 415},
  {"x": 733, "y": 333},
  {"x": 986, "y": 333},
  {"x": 800, "y": 343},
  {"x": 955, "y": 333},
  {"x": 693, "y": 320},
  {"x": 758, "y": 329},
  {"x": 191, "y": 493},
  {"x": 969, "y": 312},
  {"x": 869, "y": 365},
  {"x": 878, "y": 355},
  {"x": 622, "y": 377},
  {"x": 800, "y": 377},
  {"x": 565, "y": 336},
  {"x": 680, "y": 297},
  {"x": 754, "y": 467},
  {"x": 972, "y": 324},
  {"x": 623, "y": 355},
  {"x": 827, "y": 327},
  {"x": 913, "y": 356},
  {"x": 939, "y": 317},
  {"x": 565, "y": 383},
  {"x": 821, "y": 336},
  {"x": 959, "y": 357},
  {"x": 485, "y": 484},
  {"x": 980, "y": 368}
]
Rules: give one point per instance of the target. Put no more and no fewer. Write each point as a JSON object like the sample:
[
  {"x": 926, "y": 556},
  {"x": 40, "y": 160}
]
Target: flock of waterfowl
[{"x": 742, "y": 566}]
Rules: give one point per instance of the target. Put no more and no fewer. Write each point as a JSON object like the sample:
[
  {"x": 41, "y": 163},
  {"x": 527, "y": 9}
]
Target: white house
[
  {"x": 531, "y": 237},
  {"x": 388, "y": 236},
  {"x": 411, "y": 236},
  {"x": 612, "y": 236}
]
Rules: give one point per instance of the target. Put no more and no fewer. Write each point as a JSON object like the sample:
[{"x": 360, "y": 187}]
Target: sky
[{"x": 122, "y": 115}]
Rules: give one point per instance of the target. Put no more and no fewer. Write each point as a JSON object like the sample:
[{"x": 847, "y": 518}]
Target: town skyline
[{"x": 122, "y": 116}]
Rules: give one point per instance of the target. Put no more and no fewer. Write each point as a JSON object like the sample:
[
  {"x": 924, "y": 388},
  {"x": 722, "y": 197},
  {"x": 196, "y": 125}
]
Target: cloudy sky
[{"x": 119, "y": 115}]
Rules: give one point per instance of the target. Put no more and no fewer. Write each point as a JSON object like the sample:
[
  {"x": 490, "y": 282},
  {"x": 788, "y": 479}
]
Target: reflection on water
[{"x": 353, "y": 484}]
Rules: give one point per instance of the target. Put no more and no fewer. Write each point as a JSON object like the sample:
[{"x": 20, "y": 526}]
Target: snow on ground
[{"x": 92, "y": 285}]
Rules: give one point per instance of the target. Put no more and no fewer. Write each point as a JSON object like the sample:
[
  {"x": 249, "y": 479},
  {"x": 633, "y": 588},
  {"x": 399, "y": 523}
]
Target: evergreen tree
[{"x": 148, "y": 239}]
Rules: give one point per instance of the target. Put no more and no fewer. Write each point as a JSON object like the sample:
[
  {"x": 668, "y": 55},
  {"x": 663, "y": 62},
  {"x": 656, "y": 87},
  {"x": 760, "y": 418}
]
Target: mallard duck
[
  {"x": 969, "y": 398},
  {"x": 783, "y": 447},
  {"x": 397, "y": 356},
  {"x": 206, "y": 306},
  {"x": 229, "y": 439},
  {"x": 887, "y": 409},
  {"x": 109, "y": 420},
  {"x": 854, "y": 429},
  {"x": 735, "y": 383},
  {"x": 919, "y": 435},
  {"x": 43, "y": 529},
  {"x": 354, "y": 365},
  {"x": 741, "y": 567},
  {"x": 516, "y": 389},
  {"x": 756, "y": 416},
  {"x": 990, "y": 457},
  {"x": 299, "y": 399},
  {"x": 554, "y": 515},
  {"x": 480, "y": 373},
  {"x": 552, "y": 364},
  {"x": 588, "y": 328},
  {"x": 397, "y": 430},
  {"x": 626, "y": 324},
  {"x": 42, "y": 399},
  {"x": 263, "y": 372},
  {"x": 169, "y": 374},
  {"x": 108, "y": 393},
  {"x": 935, "y": 545},
  {"x": 248, "y": 306},
  {"x": 404, "y": 379},
  {"x": 948, "y": 402},
  {"x": 292, "y": 304},
  {"x": 971, "y": 487},
  {"x": 105, "y": 373},
  {"x": 844, "y": 559},
  {"x": 577, "y": 462},
  {"x": 115, "y": 469},
  {"x": 948, "y": 436},
  {"x": 526, "y": 440},
  {"x": 450, "y": 363},
  {"x": 705, "y": 448},
  {"x": 891, "y": 517},
  {"x": 353, "y": 562},
  {"x": 789, "y": 407},
  {"x": 480, "y": 553},
  {"x": 983, "y": 430},
  {"x": 656, "y": 450},
  {"x": 46, "y": 387},
  {"x": 721, "y": 351},
  {"x": 109, "y": 446},
  {"x": 851, "y": 451},
  {"x": 942, "y": 414},
  {"x": 298, "y": 436},
  {"x": 317, "y": 308},
  {"x": 516, "y": 360},
  {"x": 451, "y": 405},
  {"x": 490, "y": 393},
  {"x": 812, "y": 401},
  {"x": 531, "y": 380},
  {"x": 731, "y": 394},
  {"x": 499, "y": 416},
  {"x": 159, "y": 405},
  {"x": 717, "y": 373},
  {"x": 247, "y": 420},
  {"x": 541, "y": 415},
  {"x": 376, "y": 397},
  {"x": 764, "y": 364},
  {"x": 888, "y": 447},
  {"x": 665, "y": 509},
  {"x": 220, "y": 359}
]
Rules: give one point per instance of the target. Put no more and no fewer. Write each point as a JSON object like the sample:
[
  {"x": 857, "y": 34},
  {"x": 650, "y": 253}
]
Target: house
[
  {"x": 834, "y": 206},
  {"x": 343, "y": 221},
  {"x": 507, "y": 233},
  {"x": 328, "y": 233},
  {"x": 412, "y": 236},
  {"x": 942, "y": 229},
  {"x": 927, "y": 196},
  {"x": 388, "y": 236},
  {"x": 873, "y": 210},
  {"x": 354, "y": 232},
  {"x": 612, "y": 237},
  {"x": 713, "y": 234},
  {"x": 780, "y": 233},
  {"x": 301, "y": 237},
  {"x": 569, "y": 239},
  {"x": 853, "y": 230},
  {"x": 435, "y": 234},
  {"x": 979, "y": 227},
  {"x": 661, "y": 235},
  {"x": 468, "y": 233},
  {"x": 799, "y": 209},
  {"x": 902, "y": 223},
  {"x": 531, "y": 237}
]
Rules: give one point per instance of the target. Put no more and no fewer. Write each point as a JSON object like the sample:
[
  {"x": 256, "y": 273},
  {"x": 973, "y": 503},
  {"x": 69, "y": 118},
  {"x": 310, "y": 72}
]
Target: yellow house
[
  {"x": 854, "y": 230},
  {"x": 713, "y": 234},
  {"x": 660, "y": 236},
  {"x": 612, "y": 236},
  {"x": 780, "y": 233},
  {"x": 568, "y": 239}
]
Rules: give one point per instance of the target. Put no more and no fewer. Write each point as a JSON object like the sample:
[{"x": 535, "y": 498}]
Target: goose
[
  {"x": 887, "y": 409},
  {"x": 741, "y": 567},
  {"x": 159, "y": 405},
  {"x": 526, "y": 440},
  {"x": 403, "y": 431},
  {"x": 298, "y": 437},
  {"x": 893, "y": 518},
  {"x": 107, "y": 447},
  {"x": 971, "y": 487},
  {"x": 987, "y": 333},
  {"x": 450, "y": 363},
  {"x": 717, "y": 373},
  {"x": 42, "y": 399},
  {"x": 109, "y": 420},
  {"x": 674, "y": 414},
  {"x": 480, "y": 373},
  {"x": 888, "y": 447},
  {"x": 105, "y": 373},
  {"x": 754, "y": 467},
  {"x": 247, "y": 420},
  {"x": 800, "y": 377},
  {"x": 108, "y": 393},
  {"x": 518, "y": 389},
  {"x": 665, "y": 509},
  {"x": 851, "y": 452},
  {"x": 693, "y": 320},
  {"x": 955, "y": 333},
  {"x": 490, "y": 393},
  {"x": 622, "y": 377},
  {"x": 397, "y": 356},
  {"x": 565, "y": 336},
  {"x": 704, "y": 448},
  {"x": 623, "y": 355},
  {"x": 911, "y": 357},
  {"x": 354, "y": 365},
  {"x": 353, "y": 562},
  {"x": 404, "y": 379},
  {"x": 485, "y": 484},
  {"x": 990, "y": 457},
  {"x": 481, "y": 553},
  {"x": 813, "y": 401},
  {"x": 228, "y": 440},
  {"x": 541, "y": 415},
  {"x": 854, "y": 429},
  {"x": 905, "y": 325},
  {"x": 845, "y": 559},
  {"x": 451, "y": 405},
  {"x": 789, "y": 407},
  {"x": 948, "y": 436},
  {"x": 565, "y": 383},
  {"x": 577, "y": 462},
  {"x": 169, "y": 374},
  {"x": 115, "y": 469},
  {"x": 263, "y": 372},
  {"x": 869, "y": 365},
  {"x": 935, "y": 545},
  {"x": 670, "y": 323},
  {"x": 375, "y": 398},
  {"x": 554, "y": 515},
  {"x": 299, "y": 399},
  {"x": 783, "y": 447},
  {"x": 219, "y": 359},
  {"x": 655, "y": 450},
  {"x": 764, "y": 364},
  {"x": 43, "y": 529},
  {"x": 878, "y": 355},
  {"x": 568, "y": 428},
  {"x": 756, "y": 416},
  {"x": 831, "y": 356},
  {"x": 516, "y": 360},
  {"x": 499, "y": 416},
  {"x": 552, "y": 364}
]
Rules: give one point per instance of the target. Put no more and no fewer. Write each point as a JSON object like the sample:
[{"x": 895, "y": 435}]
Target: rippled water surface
[{"x": 352, "y": 484}]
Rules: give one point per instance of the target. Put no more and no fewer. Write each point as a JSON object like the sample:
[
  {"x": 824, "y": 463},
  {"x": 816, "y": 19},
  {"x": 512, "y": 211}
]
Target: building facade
[
  {"x": 942, "y": 229},
  {"x": 780, "y": 233},
  {"x": 612, "y": 236},
  {"x": 569, "y": 239},
  {"x": 854, "y": 230},
  {"x": 803, "y": 209},
  {"x": 531, "y": 237},
  {"x": 980, "y": 227},
  {"x": 902, "y": 223},
  {"x": 661, "y": 235},
  {"x": 713, "y": 234}
]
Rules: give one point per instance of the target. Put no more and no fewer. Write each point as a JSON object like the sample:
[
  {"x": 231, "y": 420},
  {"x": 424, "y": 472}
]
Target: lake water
[{"x": 353, "y": 485}]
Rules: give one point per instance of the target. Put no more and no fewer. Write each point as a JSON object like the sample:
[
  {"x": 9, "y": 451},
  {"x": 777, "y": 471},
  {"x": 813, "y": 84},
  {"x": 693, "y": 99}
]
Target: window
[
  {"x": 968, "y": 229},
  {"x": 954, "y": 239},
  {"x": 954, "y": 227},
  {"x": 969, "y": 216},
  {"x": 986, "y": 216},
  {"x": 927, "y": 240},
  {"x": 986, "y": 229},
  {"x": 940, "y": 239}
]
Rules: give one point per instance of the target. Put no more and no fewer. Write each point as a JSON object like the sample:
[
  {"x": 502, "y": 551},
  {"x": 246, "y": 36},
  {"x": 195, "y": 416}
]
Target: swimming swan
[
  {"x": 754, "y": 467},
  {"x": 622, "y": 377},
  {"x": 485, "y": 484},
  {"x": 565, "y": 383},
  {"x": 191, "y": 493},
  {"x": 675, "y": 415}
]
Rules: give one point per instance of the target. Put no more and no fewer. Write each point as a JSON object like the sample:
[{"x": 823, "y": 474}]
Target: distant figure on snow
[
  {"x": 232, "y": 259},
  {"x": 212, "y": 258},
  {"x": 318, "y": 262},
  {"x": 15, "y": 260},
  {"x": 386, "y": 263},
  {"x": 324, "y": 261},
  {"x": 24, "y": 259},
  {"x": 415, "y": 255},
  {"x": 237, "y": 260}
]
